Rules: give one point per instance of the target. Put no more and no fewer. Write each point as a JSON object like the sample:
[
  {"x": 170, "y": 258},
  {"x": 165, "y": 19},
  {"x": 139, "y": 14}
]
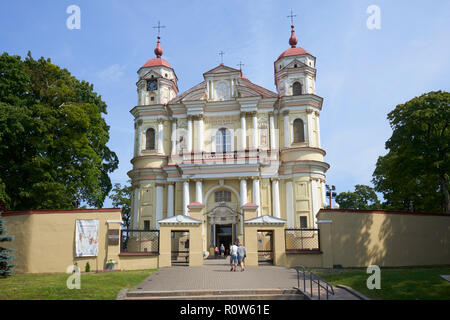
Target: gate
[
  {"x": 180, "y": 248},
  {"x": 265, "y": 247}
]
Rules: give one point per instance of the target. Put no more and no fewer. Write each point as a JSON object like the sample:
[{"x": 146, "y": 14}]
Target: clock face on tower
[{"x": 152, "y": 85}]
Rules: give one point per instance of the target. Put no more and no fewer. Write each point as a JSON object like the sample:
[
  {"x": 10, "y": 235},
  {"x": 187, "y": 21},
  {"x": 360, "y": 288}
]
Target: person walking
[
  {"x": 233, "y": 257},
  {"x": 216, "y": 251},
  {"x": 222, "y": 249},
  {"x": 241, "y": 254}
]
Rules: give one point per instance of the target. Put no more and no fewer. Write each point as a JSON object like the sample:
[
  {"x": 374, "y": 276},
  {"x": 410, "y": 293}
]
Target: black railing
[
  {"x": 139, "y": 241},
  {"x": 312, "y": 284},
  {"x": 302, "y": 240}
]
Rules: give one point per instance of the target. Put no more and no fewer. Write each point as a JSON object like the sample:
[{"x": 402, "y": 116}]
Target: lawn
[
  {"x": 94, "y": 286},
  {"x": 403, "y": 283}
]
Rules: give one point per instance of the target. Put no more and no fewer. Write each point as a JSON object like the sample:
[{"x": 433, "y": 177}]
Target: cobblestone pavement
[{"x": 216, "y": 275}]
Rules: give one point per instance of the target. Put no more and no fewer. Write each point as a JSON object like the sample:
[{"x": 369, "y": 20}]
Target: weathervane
[
  {"x": 159, "y": 27},
  {"x": 240, "y": 64}
]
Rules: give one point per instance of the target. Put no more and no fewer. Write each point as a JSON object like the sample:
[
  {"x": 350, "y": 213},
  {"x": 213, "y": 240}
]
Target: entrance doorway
[
  {"x": 265, "y": 247},
  {"x": 224, "y": 235},
  {"x": 180, "y": 248}
]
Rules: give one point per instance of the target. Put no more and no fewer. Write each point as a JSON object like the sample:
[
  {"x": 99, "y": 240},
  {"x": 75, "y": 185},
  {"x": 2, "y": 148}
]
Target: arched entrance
[{"x": 223, "y": 223}]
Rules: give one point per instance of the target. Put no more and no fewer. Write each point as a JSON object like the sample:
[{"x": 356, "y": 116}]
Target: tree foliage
[
  {"x": 414, "y": 174},
  {"x": 363, "y": 198},
  {"x": 6, "y": 267},
  {"x": 121, "y": 197},
  {"x": 53, "y": 137}
]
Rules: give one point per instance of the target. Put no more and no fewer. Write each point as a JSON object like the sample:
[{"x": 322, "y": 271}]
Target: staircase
[{"x": 243, "y": 294}]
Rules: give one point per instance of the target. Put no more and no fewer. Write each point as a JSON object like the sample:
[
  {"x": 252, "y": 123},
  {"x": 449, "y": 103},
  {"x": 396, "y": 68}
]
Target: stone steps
[{"x": 244, "y": 294}]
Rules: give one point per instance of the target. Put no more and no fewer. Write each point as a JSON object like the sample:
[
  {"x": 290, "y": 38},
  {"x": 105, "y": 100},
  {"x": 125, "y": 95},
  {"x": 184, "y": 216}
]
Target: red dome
[
  {"x": 293, "y": 52},
  {"x": 156, "y": 62}
]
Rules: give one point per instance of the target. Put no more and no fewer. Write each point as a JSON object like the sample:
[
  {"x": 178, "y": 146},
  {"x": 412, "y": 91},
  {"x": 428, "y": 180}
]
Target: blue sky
[{"x": 362, "y": 74}]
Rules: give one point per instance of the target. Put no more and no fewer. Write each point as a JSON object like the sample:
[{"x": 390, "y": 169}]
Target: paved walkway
[{"x": 216, "y": 275}]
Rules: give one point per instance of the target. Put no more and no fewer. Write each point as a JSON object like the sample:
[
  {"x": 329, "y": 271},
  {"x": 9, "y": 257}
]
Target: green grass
[
  {"x": 403, "y": 283},
  {"x": 94, "y": 286}
]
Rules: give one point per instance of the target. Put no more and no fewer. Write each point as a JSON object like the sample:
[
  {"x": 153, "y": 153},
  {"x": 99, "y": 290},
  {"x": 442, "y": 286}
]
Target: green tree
[
  {"x": 121, "y": 198},
  {"x": 363, "y": 198},
  {"x": 414, "y": 174},
  {"x": 6, "y": 267},
  {"x": 53, "y": 137}
]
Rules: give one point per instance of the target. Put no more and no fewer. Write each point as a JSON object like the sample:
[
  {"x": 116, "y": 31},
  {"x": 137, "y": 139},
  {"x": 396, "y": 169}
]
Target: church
[{"x": 227, "y": 144}]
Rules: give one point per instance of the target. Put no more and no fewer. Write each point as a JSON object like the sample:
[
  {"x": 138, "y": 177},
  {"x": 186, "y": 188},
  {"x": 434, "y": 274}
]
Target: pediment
[
  {"x": 151, "y": 73},
  {"x": 294, "y": 62},
  {"x": 221, "y": 69}
]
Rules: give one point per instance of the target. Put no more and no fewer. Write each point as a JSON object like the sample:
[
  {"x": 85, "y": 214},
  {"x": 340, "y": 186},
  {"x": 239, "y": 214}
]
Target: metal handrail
[{"x": 313, "y": 279}]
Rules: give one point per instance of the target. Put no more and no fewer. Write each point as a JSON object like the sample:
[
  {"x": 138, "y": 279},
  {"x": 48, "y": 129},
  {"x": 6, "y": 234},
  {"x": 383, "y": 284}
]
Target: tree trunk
[{"x": 446, "y": 194}]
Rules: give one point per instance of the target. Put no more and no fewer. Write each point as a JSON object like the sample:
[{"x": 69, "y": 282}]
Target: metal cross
[
  {"x": 292, "y": 15},
  {"x": 159, "y": 27},
  {"x": 240, "y": 64},
  {"x": 221, "y": 53}
]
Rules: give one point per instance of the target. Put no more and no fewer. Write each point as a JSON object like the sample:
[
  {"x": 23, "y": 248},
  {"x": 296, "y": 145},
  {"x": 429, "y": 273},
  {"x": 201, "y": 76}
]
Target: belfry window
[
  {"x": 222, "y": 196},
  {"x": 296, "y": 89},
  {"x": 223, "y": 140},
  {"x": 299, "y": 131},
  {"x": 150, "y": 139}
]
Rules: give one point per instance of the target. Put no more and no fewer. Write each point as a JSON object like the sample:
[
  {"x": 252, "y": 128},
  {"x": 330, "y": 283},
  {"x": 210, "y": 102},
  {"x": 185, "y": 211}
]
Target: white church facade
[{"x": 227, "y": 143}]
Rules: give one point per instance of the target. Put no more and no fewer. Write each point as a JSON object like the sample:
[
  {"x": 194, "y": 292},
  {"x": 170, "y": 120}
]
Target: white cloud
[{"x": 112, "y": 73}]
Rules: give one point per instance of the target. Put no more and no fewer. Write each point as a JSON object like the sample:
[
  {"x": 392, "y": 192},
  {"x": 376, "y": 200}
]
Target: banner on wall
[{"x": 86, "y": 238}]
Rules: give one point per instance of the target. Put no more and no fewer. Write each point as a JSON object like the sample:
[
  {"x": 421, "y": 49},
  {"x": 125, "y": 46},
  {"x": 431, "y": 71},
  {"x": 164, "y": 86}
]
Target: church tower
[
  {"x": 300, "y": 150},
  {"x": 157, "y": 82}
]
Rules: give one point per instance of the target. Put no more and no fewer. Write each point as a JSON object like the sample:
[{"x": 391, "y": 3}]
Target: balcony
[{"x": 248, "y": 156}]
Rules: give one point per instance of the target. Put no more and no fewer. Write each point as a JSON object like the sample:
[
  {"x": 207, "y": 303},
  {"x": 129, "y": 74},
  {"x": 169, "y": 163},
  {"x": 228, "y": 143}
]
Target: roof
[
  {"x": 179, "y": 219},
  {"x": 293, "y": 52},
  {"x": 265, "y": 220},
  {"x": 47, "y": 211},
  {"x": 386, "y": 212},
  {"x": 155, "y": 62}
]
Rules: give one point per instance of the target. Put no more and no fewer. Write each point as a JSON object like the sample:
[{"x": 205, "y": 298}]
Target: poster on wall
[{"x": 86, "y": 238}]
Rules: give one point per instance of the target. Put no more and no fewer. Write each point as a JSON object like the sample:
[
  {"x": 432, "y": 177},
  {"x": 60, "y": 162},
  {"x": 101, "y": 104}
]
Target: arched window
[
  {"x": 150, "y": 139},
  {"x": 296, "y": 89},
  {"x": 223, "y": 140},
  {"x": 222, "y": 196},
  {"x": 299, "y": 131}
]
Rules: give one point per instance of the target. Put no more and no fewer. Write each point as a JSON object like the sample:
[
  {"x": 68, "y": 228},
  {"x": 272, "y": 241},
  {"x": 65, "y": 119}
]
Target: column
[
  {"x": 310, "y": 131},
  {"x": 189, "y": 135},
  {"x": 243, "y": 201},
  {"x": 256, "y": 195},
  {"x": 199, "y": 191},
  {"x": 243, "y": 132},
  {"x": 174, "y": 137},
  {"x": 185, "y": 197},
  {"x": 136, "y": 208},
  {"x": 159, "y": 203},
  {"x": 170, "y": 200},
  {"x": 255, "y": 130},
  {"x": 272, "y": 131},
  {"x": 139, "y": 138},
  {"x": 160, "y": 136},
  {"x": 289, "y": 204},
  {"x": 200, "y": 133},
  {"x": 314, "y": 200},
  {"x": 318, "y": 128},
  {"x": 276, "y": 198},
  {"x": 286, "y": 130}
]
